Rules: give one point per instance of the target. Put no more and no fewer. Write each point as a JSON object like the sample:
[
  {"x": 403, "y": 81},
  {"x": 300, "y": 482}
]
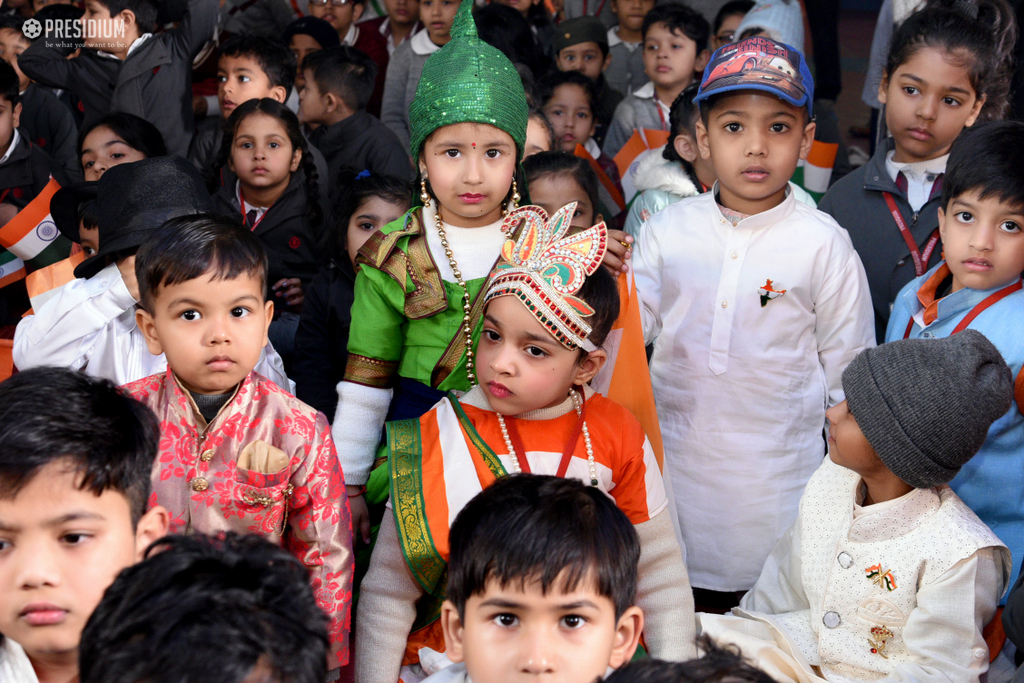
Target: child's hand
[
  {"x": 289, "y": 289},
  {"x": 360, "y": 515},
  {"x": 620, "y": 250},
  {"x": 199, "y": 105},
  {"x": 127, "y": 268}
]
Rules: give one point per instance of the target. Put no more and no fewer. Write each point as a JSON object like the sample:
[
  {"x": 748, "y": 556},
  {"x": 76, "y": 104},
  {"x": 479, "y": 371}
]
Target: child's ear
[
  {"x": 279, "y": 93},
  {"x": 607, "y": 62},
  {"x": 975, "y": 110},
  {"x": 701, "y": 61},
  {"x": 883, "y": 86},
  {"x": 144, "y": 321},
  {"x": 452, "y": 627},
  {"x": 627, "y": 636},
  {"x": 702, "y": 140},
  {"x": 17, "y": 114},
  {"x": 152, "y": 526},
  {"x": 357, "y": 12},
  {"x": 686, "y": 147},
  {"x": 296, "y": 160},
  {"x": 942, "y": 223},
  {"x": 808, "y": 139},
  {"x": 269, "y": 308},
  {"x": 129, "y": 19},
  {"x": 333, "y": 102},
  {"x": 588, "y": 368}
]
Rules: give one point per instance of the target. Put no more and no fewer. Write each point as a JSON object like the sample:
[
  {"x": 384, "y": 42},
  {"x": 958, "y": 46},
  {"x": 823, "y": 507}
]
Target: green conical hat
[{"x": 468, "y": 80}]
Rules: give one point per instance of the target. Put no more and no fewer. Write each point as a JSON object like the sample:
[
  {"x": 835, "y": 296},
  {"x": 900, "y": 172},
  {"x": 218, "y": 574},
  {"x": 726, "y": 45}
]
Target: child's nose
[
  {"x": 537, "y": 655},
  {"x": 36, "y": 567},
  {"x": 926, "y": 108}
]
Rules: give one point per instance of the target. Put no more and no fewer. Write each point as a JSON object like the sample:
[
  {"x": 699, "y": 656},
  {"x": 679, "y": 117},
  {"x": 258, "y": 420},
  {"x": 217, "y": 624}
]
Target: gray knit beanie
[{"x": 925, "y": 405}]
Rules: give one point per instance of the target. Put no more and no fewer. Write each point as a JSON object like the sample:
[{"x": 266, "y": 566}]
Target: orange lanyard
[
  {"x": 920, "y": 258},
  {"x": 976, "y": 311},
  {"x": 245, "y": 219}
]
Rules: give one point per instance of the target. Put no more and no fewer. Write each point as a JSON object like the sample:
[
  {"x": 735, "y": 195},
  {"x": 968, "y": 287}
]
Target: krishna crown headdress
[{"x": 544, "y": 268}]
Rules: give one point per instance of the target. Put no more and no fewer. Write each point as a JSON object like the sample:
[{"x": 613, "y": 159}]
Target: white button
[
  {"x": 902, "y": 261},
  {"x": 725, "y": 304},
  {"x": 980, "y": 653},
  {"x": 831, "y": 619},
  {"x": 734, "y": 256},
  {"x": 845, "y": 560}
]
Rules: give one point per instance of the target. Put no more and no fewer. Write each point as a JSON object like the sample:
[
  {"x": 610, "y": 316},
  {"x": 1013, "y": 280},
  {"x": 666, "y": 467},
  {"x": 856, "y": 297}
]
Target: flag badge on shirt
[
  {"x": 883, "y": 577},
  {"x": 768, "y": 292}
]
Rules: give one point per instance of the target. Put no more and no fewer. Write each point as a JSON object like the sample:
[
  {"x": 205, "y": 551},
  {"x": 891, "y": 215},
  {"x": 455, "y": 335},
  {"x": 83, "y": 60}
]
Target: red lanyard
[
  {"x": 245, "y": 219},
  {"x": 920, "y": 258},
  {"x": 976, "y": 311},
  {"x": 661, "y": 114},
  {"x": 600, "y": 8},
  {"x": 563, "y": 465}
]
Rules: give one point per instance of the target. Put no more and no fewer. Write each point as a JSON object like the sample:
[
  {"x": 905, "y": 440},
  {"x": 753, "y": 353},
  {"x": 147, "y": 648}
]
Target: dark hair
[
  {"x": 145, "y": 12},
  {"x": 506, "y": 29},
  {"x": 729, "y": 9},
  {"x": 59, "y": 12},
  {"x": 681, "y": 119},
  {"x": 537, "y": 114},
  {"x": 718, "y": 665},
  {"x": 351, "y": 191},
  {"x": 530, "y": 527},
  {"x": 188, "y": 247},
  {"x": 678, "y": 17},
  {"x": 138, "y": 133},
  {"x": 273, "y": 109},
  {"x": 600, "y": 291},
  {"x": 88, "y": 215},
  {"x": 14, "y": 23},
  {"x": 547, "y": 86},
  {"x": 207, "y": 610},
  {"x": 10, "y": 86},
  {"x": 344, "y": 71},
  {"x": 986, "y": 158},
  {"x": 51, "y": 414},
  {"x": 273, "y": 56},
  {"x": 563, "y": 164},
  {"x": 983, "y": 29}
]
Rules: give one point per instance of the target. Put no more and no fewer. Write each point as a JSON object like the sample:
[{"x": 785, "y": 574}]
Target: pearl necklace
[
  {"x": 577, "y": 404},
  {"x": 467, "y": 330}
]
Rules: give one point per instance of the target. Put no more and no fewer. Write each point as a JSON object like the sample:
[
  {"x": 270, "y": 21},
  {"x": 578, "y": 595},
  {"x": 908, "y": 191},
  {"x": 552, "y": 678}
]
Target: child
[
  {"x": 75, "y": 461},
  {"x": 303, "y": 37},
  {"x": 90, "y": 324},
  {"x": 277, "y": 196},
  {"x": 123, "y": 66},
  {"x": 365, "y": 204},
  {"x": 540, "y": 137},
  {"x": 886, "y": 574},
  {"x": 404, "y": 69},
  {"x": 344, "y": 15},
  {"x": 532, "y": 412},
  {"x": 556, "y": 179},
  {"x": 626, "y": 72},
  {"x": 117, "y": 138},
  {"x": 582, "y": 45},
  {"x": 73, "y": 210},
  {"x": 401, "y": 22},
  {"x": 755, "y": 304},
  {"x": 540, "y": 21},
  {"x": 45, "y": 120},
  {"x": 978, "y": 284},
  {"x": 563, "y": 566},
  {"x": 339, "y": 82},
  {"x": 715, "y": 665},
  {"x": 263, "y": 18},
  {"x": 727, "y": 20},
  {"x": 208, "y": 610},
  {"x": 780, "y": 20},
  {"x": 942, "y": 72},
  {"x": 675, "y": 50},
  {"x": 237, "y": 453}
]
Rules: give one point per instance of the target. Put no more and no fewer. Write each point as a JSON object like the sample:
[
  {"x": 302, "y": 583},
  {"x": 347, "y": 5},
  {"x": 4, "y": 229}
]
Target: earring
[
  {"x": 424, "y": 195},
  {"x": 515, "y": 195}
]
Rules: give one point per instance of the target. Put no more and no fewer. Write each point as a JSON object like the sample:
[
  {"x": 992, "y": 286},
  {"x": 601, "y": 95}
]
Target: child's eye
[
  {"x": 368, "y": 227},
  {"x": 239, "y": 312},
  {"x": 1009, "y": 226},
  {"x": 536, "y": 351},
  {"x": 452, "y": 153},
  {"x": 222, "y": 79},
  {"x": 244, "y": 79},
  {"x": 492, "y": 153},
  {"x": 583, "y": 115},
  {"x": 88, "y": 251},
  {"x": 951, "y": 101},
  {"x": 556, "y": 112},
  {"x": 910, "y": 90},
  {"x": 116, "y": 155},
  {"x": 88, "y": 164},
  {"x": 779, "y": 128},
  {"x": 492, "y": 336},
  {"x": 245, "y": 145},
  {"x": 573, "y": 621},
  {"x": 506, "y": 620},
  {"x": 964, "y": 216},
  {"x": 274, "y": 145},
  {"x": 733, "y": 127},
  {"x": 74, "y": 539},
  {"x": 190, "y": 315}
]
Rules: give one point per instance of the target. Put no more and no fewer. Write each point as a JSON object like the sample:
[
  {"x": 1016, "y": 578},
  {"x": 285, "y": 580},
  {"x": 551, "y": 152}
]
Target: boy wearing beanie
[{"x": 886, "y": 572}]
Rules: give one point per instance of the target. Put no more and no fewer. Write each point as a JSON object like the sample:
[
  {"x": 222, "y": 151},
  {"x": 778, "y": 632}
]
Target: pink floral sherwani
[{"x": 265, "y": 465}]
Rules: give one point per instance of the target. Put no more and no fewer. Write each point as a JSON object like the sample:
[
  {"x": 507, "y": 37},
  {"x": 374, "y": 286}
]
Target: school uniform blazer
[
  {"x": 361, "y": 142},
  {"x": 49, "y": 125},
  {"x": 26, "y": 172},
  {"x": 153, "y": 82}
]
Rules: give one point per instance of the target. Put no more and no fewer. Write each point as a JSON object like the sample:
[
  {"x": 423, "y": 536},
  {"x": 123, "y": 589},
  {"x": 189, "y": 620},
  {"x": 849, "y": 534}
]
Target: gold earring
[
  {"x": 515, "y": 195},
  {"x": 424, "y": 195}
]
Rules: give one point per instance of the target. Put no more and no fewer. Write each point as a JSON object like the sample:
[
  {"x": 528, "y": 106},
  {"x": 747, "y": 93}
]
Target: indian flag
[
  {"x": 32, "y": 236},
  {"x": 45, "y": 283},
  {"x": 612, "y": 203},
  {"x": 11, "y": 268},
  {"x": 642, "y": 140},
  {"x": 814, "y": 174}
]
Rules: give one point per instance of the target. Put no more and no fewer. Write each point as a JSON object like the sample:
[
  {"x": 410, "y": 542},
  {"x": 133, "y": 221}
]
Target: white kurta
[
  {"x": 741, "y": 388},
  {"x": 15, "y": 666}
]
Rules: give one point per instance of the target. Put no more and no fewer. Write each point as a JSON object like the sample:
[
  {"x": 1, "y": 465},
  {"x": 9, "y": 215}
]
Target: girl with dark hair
[
  {"x": 556, "y": 179},
  {"x": 117, "y": 138}
]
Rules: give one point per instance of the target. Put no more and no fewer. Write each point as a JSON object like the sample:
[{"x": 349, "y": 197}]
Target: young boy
[
  {"x": 339, "y": 82},
  {"x": 531, "y": 412},
  {"x": 75, "y": 462},
  {"x": 542, "y": 580},
  {"x": 237, "y": 452},
  {"x": 208, "y": 610},
  {"x": 124, "y": 66},
  {"x": 755, "y": 303},
  {"x": 567, "y": 99},
  {"x": 344, "y": 15},
  {"x": 304, "y": 37},
  {"x": 723, "y": 30},
  {"x": 978, "y": 285},
  {"x": 675, "y": 50},
  {"x": 886, "y": 573},
  {"x": 582, "y": 45},
  {"x": 625, "y": 45},
  {"x": 90, "y": 324},
  {"x": 44, "y": 119},
  {"x": 401, "y": 22}
]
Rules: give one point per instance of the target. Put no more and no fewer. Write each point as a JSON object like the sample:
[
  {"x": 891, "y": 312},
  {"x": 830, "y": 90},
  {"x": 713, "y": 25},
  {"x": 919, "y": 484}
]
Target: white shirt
[
  {"x": 614, "y": 39},
  {"x": 15, "y": 137},
  {"x": 920, "y": 175},
  {"x": 742, "y": 389},
  {"x": 421, "y": 43},
  {"x": 352, "y": 36},
  {"x": 90, "y": 325},
  {"x": 15, "y": 666},
  {"x": 137, "y": 43},
  {"x": 646, "y": 92}
]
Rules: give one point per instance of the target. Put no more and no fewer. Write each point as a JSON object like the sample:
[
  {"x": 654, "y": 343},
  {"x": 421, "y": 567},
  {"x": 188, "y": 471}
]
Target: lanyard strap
[
  {"x": 977, "y": 310},
  {"x": 570, "y": 447},
  {"x": 920, "y": 258},
  {"x": 245, "y": 219},
  {"x": 600, "y": 8},
  {"x": 661, "y": 114}
]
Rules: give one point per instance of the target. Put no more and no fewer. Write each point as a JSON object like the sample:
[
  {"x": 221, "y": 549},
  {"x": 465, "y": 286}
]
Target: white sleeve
[
  {"x": 357, "y": 428},
  {"x": 271, "y": 366},
  {"x": 780, "y": 587},
  {"x": 647, "y": 264},
  {"x": 64, "y": 330},
  {"x": 663, "y": 591}
]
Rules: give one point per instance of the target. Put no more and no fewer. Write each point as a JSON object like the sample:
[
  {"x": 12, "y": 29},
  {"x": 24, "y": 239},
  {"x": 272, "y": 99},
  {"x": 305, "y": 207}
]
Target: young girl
[
  {"x": 277, "y": 197},
  {"x": 531, "y": 412},
  {"x": 946, "y": 70},
  {"x": 556, "y": 179},
  {"x": 117, "y": 138},
  {"x": 365, "y": 204},
  {"x": 540, "y": 137},
  {"x": 403, "y": 71}
]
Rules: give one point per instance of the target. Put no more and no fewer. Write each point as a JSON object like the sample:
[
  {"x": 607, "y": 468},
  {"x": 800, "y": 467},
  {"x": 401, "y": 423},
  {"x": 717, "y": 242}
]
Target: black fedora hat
[
  {"x": 133, "y": 200},
  {"x": 64, "y": 207}
]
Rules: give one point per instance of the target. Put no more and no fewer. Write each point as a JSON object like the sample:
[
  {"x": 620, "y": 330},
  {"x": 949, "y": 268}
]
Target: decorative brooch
[
  {"x": 882, "y": 577},
  {"x": 768, "y": 292},
  {"x": 879, "y": 640}
]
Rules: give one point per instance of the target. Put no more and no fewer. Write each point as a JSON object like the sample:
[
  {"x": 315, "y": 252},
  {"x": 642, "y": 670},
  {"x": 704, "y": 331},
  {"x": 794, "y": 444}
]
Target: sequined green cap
[{"x": 465, "y": 81}]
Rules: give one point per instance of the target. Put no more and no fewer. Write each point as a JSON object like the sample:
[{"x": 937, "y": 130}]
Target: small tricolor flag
[
  {"x": 32, "y": 236},
  {"x": 45, "y": 283},
  {"x": 11, "y": 268},
  {"x": 612, "y": 203},
  {"x": 815, "y": 173},
  {"x": 883, "y": 578}
]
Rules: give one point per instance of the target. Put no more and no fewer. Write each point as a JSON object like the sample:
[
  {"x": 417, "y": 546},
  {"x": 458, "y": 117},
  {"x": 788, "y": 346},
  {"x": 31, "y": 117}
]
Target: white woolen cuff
[{"x": 357, "y": 428}]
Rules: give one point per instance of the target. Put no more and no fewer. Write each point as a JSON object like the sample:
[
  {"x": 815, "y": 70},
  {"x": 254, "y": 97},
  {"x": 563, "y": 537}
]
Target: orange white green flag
[{"x": 32, "y": 236}]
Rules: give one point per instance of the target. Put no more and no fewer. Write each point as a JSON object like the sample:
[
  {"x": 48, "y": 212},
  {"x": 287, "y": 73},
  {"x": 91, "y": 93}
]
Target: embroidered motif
[
  {"x": 768, "y": 292},
  {"x": 879, "y": 640},
  {"x": 882, "y": 577},
  {"x": 371, "y": 372}
]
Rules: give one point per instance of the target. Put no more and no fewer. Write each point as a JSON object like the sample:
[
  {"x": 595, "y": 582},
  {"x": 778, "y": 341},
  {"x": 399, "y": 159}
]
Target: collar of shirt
[
  {"x": 421, "y": 43},
  {"x": 246, "y": 206},
  {"x": 755, "y": 220},
  {"x": 920, "y": 177},
  {"x": 352, "y": 36},
  {"x": 613, "y": 40},
  {"x": 131, "y": 48},
  {"x": 953, "y": 304},
  {"x": 646, "y": 91},
  {"x": 15, "y": 138}
]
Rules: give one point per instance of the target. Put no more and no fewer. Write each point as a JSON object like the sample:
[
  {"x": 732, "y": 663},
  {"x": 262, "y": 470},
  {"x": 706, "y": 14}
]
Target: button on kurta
[
  {"x": 725, "y": 304},
  {"x": 207, "y": 455},
  {"x": 831, "y": 619},
  {"x": 845, "y": 560},
  {"x": 200, "y": 484}
]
